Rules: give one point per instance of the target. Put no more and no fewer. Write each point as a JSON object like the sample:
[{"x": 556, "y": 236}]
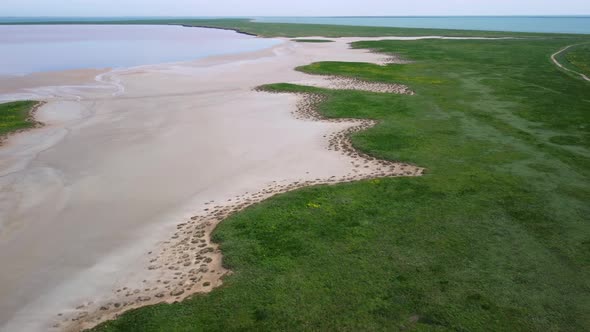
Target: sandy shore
[{"x": 109, "y": 206}]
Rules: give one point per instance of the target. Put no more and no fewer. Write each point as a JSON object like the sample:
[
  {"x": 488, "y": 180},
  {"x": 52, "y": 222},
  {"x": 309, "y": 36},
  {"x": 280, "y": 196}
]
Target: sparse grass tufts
[{"x": 16, "y": 116}]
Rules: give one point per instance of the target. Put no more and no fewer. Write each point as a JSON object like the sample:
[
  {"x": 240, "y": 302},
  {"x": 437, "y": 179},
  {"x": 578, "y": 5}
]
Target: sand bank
[{"x": 110, "y": 204}]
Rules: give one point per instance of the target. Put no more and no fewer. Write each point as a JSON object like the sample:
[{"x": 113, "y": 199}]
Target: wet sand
[{"x": 109, "y": 205}]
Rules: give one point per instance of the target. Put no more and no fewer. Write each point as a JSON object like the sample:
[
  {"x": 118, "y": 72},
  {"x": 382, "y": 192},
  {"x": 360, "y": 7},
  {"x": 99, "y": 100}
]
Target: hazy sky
[{"x": 290, "y": 7}]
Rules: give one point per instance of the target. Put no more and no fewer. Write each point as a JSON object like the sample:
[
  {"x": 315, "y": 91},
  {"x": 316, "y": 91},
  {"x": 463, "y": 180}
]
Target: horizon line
[{"x": 281, "y": 16}]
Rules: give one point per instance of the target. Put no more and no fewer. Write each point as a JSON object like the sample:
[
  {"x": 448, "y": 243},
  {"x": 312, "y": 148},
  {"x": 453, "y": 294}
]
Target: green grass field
[
  {"x": 579, "y": 59},
  {"x": 15, "y": 116},
  {"x": 495, "y": 237}
]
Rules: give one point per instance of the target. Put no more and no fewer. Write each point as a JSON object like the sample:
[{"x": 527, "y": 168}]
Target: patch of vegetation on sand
[
  {"x": 313, "y": 40},
  {"x": 16, "y": 116},
  {"x": 494, "y": 237}
]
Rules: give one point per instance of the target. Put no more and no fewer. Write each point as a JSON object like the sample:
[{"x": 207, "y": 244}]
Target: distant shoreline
[
  {"x": 513, "y": 23},
  {"x": 218, "y": 28}
]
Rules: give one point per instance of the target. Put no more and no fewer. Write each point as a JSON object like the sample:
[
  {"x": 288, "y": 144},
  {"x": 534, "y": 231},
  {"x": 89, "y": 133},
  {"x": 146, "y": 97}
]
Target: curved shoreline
[
  {"x": 73, "y": 115},
  {"x": 193, "y": 236},
  {"x": 187, "y": 89},
  {"x": 179, "y": 276},
  {"x": 218, "y": 28}
]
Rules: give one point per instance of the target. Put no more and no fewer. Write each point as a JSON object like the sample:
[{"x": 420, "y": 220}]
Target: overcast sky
[{"x": 290, "y": 8}]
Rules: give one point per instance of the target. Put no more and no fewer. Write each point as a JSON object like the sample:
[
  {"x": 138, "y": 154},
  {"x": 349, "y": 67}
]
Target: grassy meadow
[
  {"x": 579, "y": 59},
  {"x": 15, "y": 116},
  {"x": 495, "y": 236}
]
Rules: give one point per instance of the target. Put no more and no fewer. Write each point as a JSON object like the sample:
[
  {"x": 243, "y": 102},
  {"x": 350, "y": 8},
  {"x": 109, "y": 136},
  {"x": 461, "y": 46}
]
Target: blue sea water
[
  {"x": 546, "y": 24},
  {"x": 26, "y": 49}
]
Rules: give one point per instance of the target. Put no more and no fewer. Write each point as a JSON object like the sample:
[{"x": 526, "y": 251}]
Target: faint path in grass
[{"x": 556, "y": 62}]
